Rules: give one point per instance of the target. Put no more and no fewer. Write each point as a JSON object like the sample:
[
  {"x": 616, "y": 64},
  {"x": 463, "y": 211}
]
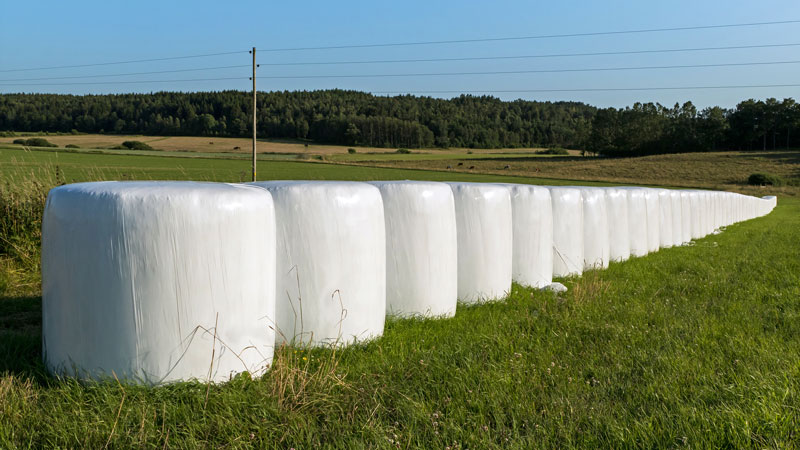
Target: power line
[
  {"x": 519, "y": 38},
  {"x": 125, "y": 62},
  {"x": 499, "y": 72},
  {"x": 552, "y": 55},
  {"x": 507, "y": 72},
  {"x": 125, "y": 74},
  {"x": 651, "y": 88},
  {"x": 124, "y": 82}
]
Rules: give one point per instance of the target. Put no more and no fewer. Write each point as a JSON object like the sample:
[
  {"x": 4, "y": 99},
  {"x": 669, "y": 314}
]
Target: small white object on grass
[{"x": 555, "y": 287}]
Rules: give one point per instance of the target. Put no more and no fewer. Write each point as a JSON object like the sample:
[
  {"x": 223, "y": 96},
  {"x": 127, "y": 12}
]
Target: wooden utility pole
[{"x": 254, "y": 114}]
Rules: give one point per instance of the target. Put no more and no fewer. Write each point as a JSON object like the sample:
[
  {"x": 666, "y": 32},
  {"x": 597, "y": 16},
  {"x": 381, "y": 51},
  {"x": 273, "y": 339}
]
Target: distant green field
[{"x": 16, "y": 164}]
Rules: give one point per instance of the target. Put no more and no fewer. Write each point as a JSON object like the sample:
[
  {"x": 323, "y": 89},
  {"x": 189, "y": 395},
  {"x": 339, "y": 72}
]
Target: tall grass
[{"x": 21, "y": 209}]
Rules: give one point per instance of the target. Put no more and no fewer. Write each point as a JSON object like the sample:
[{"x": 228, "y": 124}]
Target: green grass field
[
  {"x": 16, "y": 164},
  {"x": 696, "y": 346}
]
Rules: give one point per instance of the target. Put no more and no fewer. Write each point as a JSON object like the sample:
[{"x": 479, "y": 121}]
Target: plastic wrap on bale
[
  {"x": 637, "y": 220},
  {"x": 711, "y": 211},
  {"x": 154, "y": 282},
  {"x": 596, "y": 249},
  {"x": 421, "y": 248},
  {"x": 483, "y": 221},
  {"x": 696, "y": 213},
  {"x": 717, "y": 209},
  {"x": 653, "y": 219},
  {"x": 619, "y": 242},
  {"x": 675, "y": 200},
  {"x": 771, "y": 203},
  {"x": 567, "y": 231},
  {"x": 532, "y": 236},
  {"x": 331, "y": 264},
  {"x": 664, "y": 218},
  {"x": 686, "y": 217}
]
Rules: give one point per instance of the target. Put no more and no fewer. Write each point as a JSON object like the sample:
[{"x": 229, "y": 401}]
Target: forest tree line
[
  {"x": 647, "y": 128},
  {"x": 357, "y": 118}
]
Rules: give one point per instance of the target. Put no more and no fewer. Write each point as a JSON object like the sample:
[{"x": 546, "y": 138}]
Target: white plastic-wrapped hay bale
[
  {"x": 653, "y": 219},
  {"x": 664, "y": 218},
  {"x": 637, "y": 220},
  {"x": 708, "y": 212},
  {"x": 596, "y": 249},
  {"x": 675, "y": 200},
  {"x": 483, "y": 220},
  {"x": 771, "y": 203},
  {"x": 725, "y": 211},
  {"x": 686, "y": 217},
  {"x": 718, "y": 221},
  {"x": 697, "y": 213},
  {"x": 421, "y": 250},
  {"x": 619, "y": 242},
  {"x": 331, "y": 261},
  {"x": 154, "y": 282},
  {"x": 532, "y": 235},
  {"x": 567, "y": 231},
  {"x": 712, "y": 210}
]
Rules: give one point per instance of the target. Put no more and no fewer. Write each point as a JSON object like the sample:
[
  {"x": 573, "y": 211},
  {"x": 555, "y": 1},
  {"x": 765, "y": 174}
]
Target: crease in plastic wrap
[
  {"x": 484, "y": 229},
  {"x": 664, "y": 218},
  {"x": 151, "y": 281},
  {"x": 567, "y": 231},
  {"x": 532, "y": 236},
  {"x": 331, "y": 261},
  {"x": 421, "y": 248},
  {"x": 619, "y": 242},
  {"x": 596, "y": 247},
  {"x": 637, "y": 220}
]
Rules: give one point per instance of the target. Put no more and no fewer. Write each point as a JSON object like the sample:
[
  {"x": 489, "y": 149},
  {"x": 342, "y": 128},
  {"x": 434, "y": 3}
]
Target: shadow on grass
[{"x": 21, "y": 337}]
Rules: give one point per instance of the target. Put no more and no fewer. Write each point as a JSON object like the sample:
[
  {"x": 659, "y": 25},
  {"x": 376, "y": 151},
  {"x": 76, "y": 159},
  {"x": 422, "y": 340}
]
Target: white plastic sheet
[
  {"x": 653, "y": 219},
  {"x": 567, "y": 231},
  {"x": 151, "y": 281},
  {"x": 677, "y": 212},
  {"x": 483, "y": 219},
  {"x": 421, "y": 250},
  {"x": 331, "y": 261},
  {"x": 532, "y": 225},
  {"x": 664, "y": 218},
  {"x": 619, "y": 239},
  {"x": 696, "y": 214},
  {"x": 637, "y": 220},
  {"x": 771, "y": 202},
  {"x": 596, "y": 249},
  {"x": 686, "y": 217},
  {"x": 705, "y": 214}
]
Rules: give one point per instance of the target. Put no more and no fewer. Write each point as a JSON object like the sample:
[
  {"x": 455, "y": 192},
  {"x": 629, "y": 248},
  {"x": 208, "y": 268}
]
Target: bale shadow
[{"x": 21, "y": 337}]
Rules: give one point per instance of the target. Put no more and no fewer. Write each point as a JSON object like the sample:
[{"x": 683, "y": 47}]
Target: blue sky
[{"x": 54, "y": 33}]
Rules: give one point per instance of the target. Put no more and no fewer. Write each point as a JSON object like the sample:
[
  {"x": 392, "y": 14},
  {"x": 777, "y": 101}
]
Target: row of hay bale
[{"x": 164, "y": 281}]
